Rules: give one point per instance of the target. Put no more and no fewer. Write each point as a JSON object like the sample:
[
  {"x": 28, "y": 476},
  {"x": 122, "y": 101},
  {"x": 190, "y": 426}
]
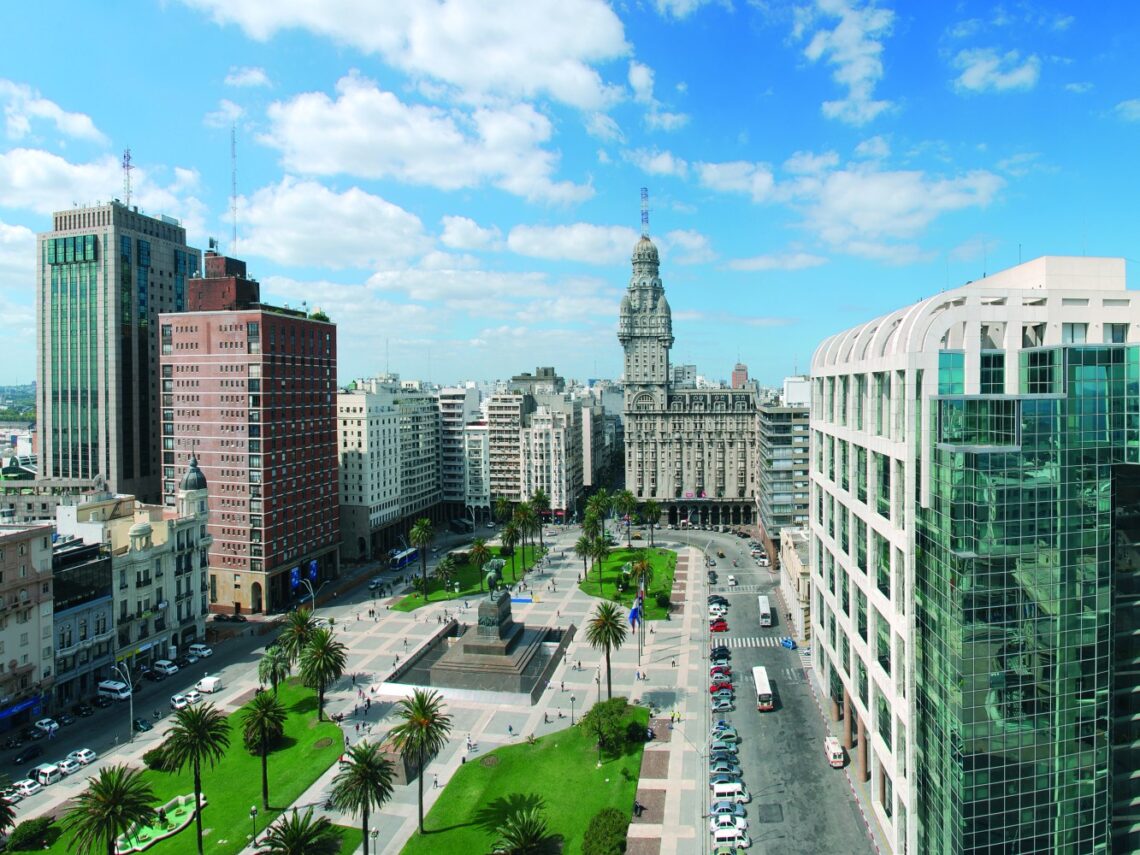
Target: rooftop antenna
[
  {"x": 645, "y": 212},
  {"x": 127, "y": 175},
  {"x": 233, "y": 185}
]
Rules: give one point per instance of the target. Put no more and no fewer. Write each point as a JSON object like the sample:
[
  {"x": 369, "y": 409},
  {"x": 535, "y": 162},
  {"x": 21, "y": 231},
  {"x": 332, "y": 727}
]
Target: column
[
  {"x": 861, "y": 752},
  {"x": 834, "y": 708},
  {"x": 847, "y": 712}
]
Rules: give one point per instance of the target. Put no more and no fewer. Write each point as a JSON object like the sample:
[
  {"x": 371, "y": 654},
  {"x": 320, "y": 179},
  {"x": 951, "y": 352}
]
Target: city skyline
[{"x": 460, "y": 193}]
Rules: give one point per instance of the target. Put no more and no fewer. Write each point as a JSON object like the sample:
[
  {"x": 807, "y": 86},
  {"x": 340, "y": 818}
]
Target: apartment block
[
  {"x": 84, "y": 631},
  {"x": 457, "y": 407},
  {"x": 26, "y": 651},
  {"x": 368, "y": 437},
  {"x": 784, "y": 457}
]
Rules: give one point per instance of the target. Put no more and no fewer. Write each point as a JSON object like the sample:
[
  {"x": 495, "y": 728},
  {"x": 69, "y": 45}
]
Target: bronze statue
[{"x": 492, "y": 579}]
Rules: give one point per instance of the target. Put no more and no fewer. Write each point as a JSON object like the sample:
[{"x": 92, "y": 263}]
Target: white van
[
  {"x": 202, "y": 651},
  {"x": 731, "y": 837},
  {"x": 209, "y": 685},
  {"x": 114, "y": 689},
  {"x": 733, "y": 791},
  {"x": 45, "y": 774}
]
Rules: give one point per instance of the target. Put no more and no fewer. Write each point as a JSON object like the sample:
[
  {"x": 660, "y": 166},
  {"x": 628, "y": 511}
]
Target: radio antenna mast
[
  {"x": 233, "y": 185},
  {"x": 127, "y": 175},
  {"x": 645, "y": 212}
]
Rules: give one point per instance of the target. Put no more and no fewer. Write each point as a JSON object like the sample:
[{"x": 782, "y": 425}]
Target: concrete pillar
[
  {"x": 861, "y": 752},
  {"x": 834, "y": 708},
  {"x": 847, "y": 713}
]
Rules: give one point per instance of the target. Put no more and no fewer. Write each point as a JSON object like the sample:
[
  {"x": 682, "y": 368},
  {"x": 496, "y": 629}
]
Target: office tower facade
[
  {"x": 368, "y": 440},
  {"x": 975, "y": 520},
  {"x": 551, "y": 448},
  {"x": 251, "y": 393},
  {"x": 739, "y": 375},
  {"x": 505, "y": 415},
  {"x": 784, "y": 459},
  {"x": 457, "y": 407},
  {"x": 694, "y": 451},
  {"x": 27, "y": 659},
  {"x": 103, "y": 275},
  {"x": 84, "y": 628}
]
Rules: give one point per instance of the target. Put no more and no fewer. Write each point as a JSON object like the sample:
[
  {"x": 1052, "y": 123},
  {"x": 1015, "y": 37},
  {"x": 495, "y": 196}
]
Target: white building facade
[{"x": 368, "y": 440}]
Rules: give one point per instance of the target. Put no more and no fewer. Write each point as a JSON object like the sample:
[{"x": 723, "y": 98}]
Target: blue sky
[{"x": 458, "y": 186}]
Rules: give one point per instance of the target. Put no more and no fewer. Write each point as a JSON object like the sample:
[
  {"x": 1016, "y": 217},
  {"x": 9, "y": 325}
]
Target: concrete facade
[
  {"x": 784, "y": 460},
  {"x": 368, "y": 441},
  {"x": 457, "y": 407},
  {"x": 27, "y": 658},
  {"x": 795, "y": 579},
  {"x": 477, "y": 470}
]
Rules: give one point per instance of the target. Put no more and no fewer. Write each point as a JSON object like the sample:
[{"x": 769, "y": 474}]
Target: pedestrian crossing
[
  {"x": 795, "y": 675},
  {"x": 747, "y": 640},
  {"x": 738, "y": 589}
]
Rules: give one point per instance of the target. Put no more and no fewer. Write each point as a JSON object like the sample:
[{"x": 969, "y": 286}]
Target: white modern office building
[{"x": 368, "y": 442}]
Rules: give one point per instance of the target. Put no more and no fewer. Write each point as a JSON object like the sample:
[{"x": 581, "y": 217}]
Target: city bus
[
  {"x": 764, "y": 700},
  {"x": 404, "y": 559},
  {"x": 765, "y": 611}
]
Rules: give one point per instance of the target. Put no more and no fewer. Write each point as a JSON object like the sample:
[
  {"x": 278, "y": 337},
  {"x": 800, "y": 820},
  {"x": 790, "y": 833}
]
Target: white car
[
  {"x": 727, "y": 820},
  {"x": 48, "y": 725},
  {"x": 722, "y": 705},
  {"x": 165, "y": 666},
  {"x": 67, "y": 766},
  {"x": 202, "y": 651},
  {"x": 27, "y": 787},
  {"x": 726, "y": 806},
  {"x": 84, "y": 756},
  {"x": 178, "y": 702},
  {"x": 193, "y": 696}
]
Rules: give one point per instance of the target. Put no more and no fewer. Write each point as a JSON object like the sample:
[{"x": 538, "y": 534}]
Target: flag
[{"x": 635, "y": 615}]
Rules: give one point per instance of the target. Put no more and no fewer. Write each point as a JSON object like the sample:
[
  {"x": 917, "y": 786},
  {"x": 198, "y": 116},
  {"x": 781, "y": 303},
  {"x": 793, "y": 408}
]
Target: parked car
[
  {"x": 712, "y": 562},
  {"x": 716, "y": 687},
  {"x": 720, "y": 652},
  {"x": 83, "y": 709},
  {"x": 30, "y": 752},
  {"x": 221, "y": 617},
  {"x": 720, "y": 667},
  {"x": 178, "y": 702},
  {"x": 727, "y": 808},
  {"x": 202, "y": 651},
  {"x": 101, "y": 701},
  {"x": 724, "y": 693},
  {"x": 720, "y": 553},
  {"x": 27, "y": 787},
  {"x": 11, "y": 796},
  {"x": 719, "y": 626},
  {"x": 84, "y": 756},
  {"x": 375, "y": 583},
  {"x": 717, "y": 599},
  {"x": 729, "y": 821},
  {"x": 165, "y": 666},
  {"x": 722, "y": 705},
  {"x": 193, "y": 696},
  {"x": 716, "y": 756},
  {"x": 141, "y": 725},
  {"x": 65, "y": 719},
  {"x": 718, "y": 767},
  {"x": 13, "y": 742},
  {"x": 727, "y": 733},
  {"x": 154, "y": 675},
  {"x": 728, "y": 745},
  {"x": 67, "y": 766},
  {"x": 33, "y": 733},
  {"x": 723, "y": 778},
  {"x": 238, "y": 618}
]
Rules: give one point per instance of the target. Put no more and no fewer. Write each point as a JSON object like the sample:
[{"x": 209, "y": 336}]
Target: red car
[
  {"x": 719, "y": 626},
  {"x": 720, "y": 672},
  {"x": 716, "y": 687}
]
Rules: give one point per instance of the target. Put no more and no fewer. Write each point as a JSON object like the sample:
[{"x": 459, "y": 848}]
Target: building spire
[{"x": 645, "y": 212}]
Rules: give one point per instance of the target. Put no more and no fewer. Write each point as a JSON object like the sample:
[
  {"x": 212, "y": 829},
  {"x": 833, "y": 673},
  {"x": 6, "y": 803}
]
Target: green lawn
[
  {"x": 558, "y": 772},
  {"x": 470, "y": 579},
  {"x": 351, "y": 838},
  {"x": 664, "y": 563},
  {"x": 234, "y": 784}
]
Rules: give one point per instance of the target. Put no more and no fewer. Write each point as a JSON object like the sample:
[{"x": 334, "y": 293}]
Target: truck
[
  {"x": 834, "y": 752},
  {"x": 209, "y": 685}
]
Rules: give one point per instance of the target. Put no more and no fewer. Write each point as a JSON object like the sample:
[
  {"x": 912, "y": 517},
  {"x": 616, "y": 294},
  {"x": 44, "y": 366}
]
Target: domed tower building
[{"x": 693, "y": 451}]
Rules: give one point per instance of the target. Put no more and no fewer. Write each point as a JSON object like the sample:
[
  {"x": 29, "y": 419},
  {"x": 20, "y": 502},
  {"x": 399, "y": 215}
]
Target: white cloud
[
  {"x": 17, "y": 257},
  {"x": 369, "y": 132},
  {"x": 541, "y": 46},
  {"x": 679, "y": 9},
  {"x": 604, "y": 127},
  {"x": 874, "y": 148},
  {"x": 641, "y": 81},
  {"x": 1023, "y": 163},
  {"x": 656, "y": 162},
  {"x": 582, "y": 242},
  {"x": 465, "y": 233},
  {"x": 686, "y": 246},
  {"x": 964, "y": 29},
  {"x": 23, "y": 104},
  {"x": 855, "y": 49},
  {"x": 656, "y": 117},
  {"x": 227, "y": 113},
  {"x": 808, "y": 163},
  {"x": 1129, "y": 111},
  {"x": 1079, "y": 87},
  {"x": 663, "y": 120},
  {"x": 985, "y": 70},
  {"x": 777, "y": 261},
  {"x": 246, "y": 76},
  {"x": 741, "y": 176},
  {"x": 305, "y": 223}
]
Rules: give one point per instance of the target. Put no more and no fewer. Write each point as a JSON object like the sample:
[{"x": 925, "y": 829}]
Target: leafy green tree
[
  {"x": 503, "y": 510},
  {"x": 421, "y": 538},
  {"x": 363, "y": 784},
  {"x": 300, "y": 834},
  {"x": 525, "y": 832},
  {"x": 625, "y": 503},
  {"x": 114, "y": 800},
  {"x": 606, "y": 629},
  {"x": 263, "y": 722},
  {"x": 200, "y": 735},
  {"x": 421, "y": 733},
  {"x": 606, "y": 723},
  {"x": 479, "y": 556},
  {"x": 606, "y": 833},
  {"x": 299, "y": 627},
  {"x": 652, "y": 512},
  {"x": 510, "y": 536},
  {"x": 7, "y": 809},
  {"x": 446, "y": 571},
  {"x": 273, "y": 667},
  {"x": 33, "y": 834},
  {"x": 541, "y": 504},
  {"x": 584, "y": 549},
  {"x": 322, "y": 663}
]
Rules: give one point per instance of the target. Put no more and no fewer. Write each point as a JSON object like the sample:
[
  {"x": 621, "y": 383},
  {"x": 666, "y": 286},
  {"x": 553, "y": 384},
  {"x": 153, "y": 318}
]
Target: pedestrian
[
  {"x": 405, "y": 643},
  {"x": 354, "y": 679},
  {"x": 636, "y": 675},
  {"x": 462, "y": 759},
  {"x": 510, "y": 730},
  {"x": 435, "y": 782},
  {"x": 546, "y": 718},
  {"x": 564, "y": 685},
  {"x": 358, "y": 727},
  {"x": 579, "y": 664},
  {"x": 346, "y": 741}
]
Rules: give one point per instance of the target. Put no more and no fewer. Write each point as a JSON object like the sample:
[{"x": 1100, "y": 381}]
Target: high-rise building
[
  {"x": 691, "y": 450},
  {"x": 368, "y": 438},
  {"x": 505, "y": 415},
  {"x": 457, "y": 407},
  {"x": 27, "y": 656},
  {"x": 784, "y": 458},
  {"x": 477, "y": 471},
  {"x": 250, "y": 391},
  {"x": 84, "y": 628},
  {"x": 974, "y": 527},
  {"x": 103, "y": 275},
  {"x": 739, "y": 376},
  {"x": 551, "y": 446}
]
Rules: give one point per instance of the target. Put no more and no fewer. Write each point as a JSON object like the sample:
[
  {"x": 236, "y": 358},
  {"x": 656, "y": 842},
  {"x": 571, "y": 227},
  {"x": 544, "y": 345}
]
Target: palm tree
[
  {"x": 641, "y": 573},
  {"x": 421, "y": 733},
  {"x": 322, "y": 663},
  {"x": 201, "y": 734},
  {"x": 583, "y": 548},
  {"x": 479, "y": 556},
  {"x": 299, "y": 834},
  {"x": 591, "y": 524},
  {"x": 600, "y": 551},
  {"x": 364, "y": 783},
  {"x": 274, "y": 667},
  {"x": 625, "y": 503},
  {"x": 652, "y": 513},
  {"x": 299, "y": 627},
  {"x": 510, "y": 537},
  {"x": 525, "y": 832},
  {"x": 445, "y": 570},
  {"x": 503, "y": 510},
  {"x": 541, "y": 504},
  {"x": 599, "y": 504},
  {"x": 526, "y": 520},
  {"x": 263, "y": 722},
  {"x": 7, "y": 809},
  {"x": 421, "y": 538},
  {"x": 606, "y": 630},
  {"x": 114, "y": 800}
]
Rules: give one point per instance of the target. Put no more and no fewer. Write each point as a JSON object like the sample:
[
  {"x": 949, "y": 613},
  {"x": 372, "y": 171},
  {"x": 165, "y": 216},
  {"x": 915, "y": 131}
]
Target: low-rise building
[
  {"x": 26, "y": 660},
  {"x": 84, "y": 618},
  {"x": 795, "y": 579}
]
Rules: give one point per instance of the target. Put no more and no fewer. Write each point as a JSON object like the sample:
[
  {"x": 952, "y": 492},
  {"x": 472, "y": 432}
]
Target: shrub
[
  {"x": 605, "y": 835},
  {"x": 156, "y": 759},
  {"x": 662, "y": 600},
  {"x": 33, "y": 834}
]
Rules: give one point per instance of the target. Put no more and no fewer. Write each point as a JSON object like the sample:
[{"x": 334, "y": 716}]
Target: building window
[
  {"x": 992, "y": 373},
  {"x": 951, "y": 372},
  {"x": 1115, "y": 333},
  {"x": 1074, "y": 333}
]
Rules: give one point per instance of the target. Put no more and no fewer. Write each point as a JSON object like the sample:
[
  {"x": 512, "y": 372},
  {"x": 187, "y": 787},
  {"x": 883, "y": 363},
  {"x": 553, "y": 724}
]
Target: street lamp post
[
  {"x": 124, "y": 672},
  {"x": 571, "y": 710},
  {"x": 312, "y": 595},
  {"x": 253, "y": 818}
]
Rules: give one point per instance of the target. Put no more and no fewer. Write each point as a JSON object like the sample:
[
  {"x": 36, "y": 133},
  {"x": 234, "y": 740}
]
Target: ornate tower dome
[
  {"x": 646, "y": 261},
  {"x": 193, "y": 479}
]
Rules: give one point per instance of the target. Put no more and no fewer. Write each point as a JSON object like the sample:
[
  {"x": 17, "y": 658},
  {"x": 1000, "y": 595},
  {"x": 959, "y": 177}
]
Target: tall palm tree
[
  {"x": 525, "y": 832},
  {"x": 591, "y": 524},
  {"x": 652, "y": 512},
  {"x": 114, "y": 800},
  {"x": 445, "y": 570},
  {"x": 421, "y": 733},
  {"x": 583, "y": 548},
  {"x": 503, "y": 511},
  {"x": 600, "y": 551},
  {"x": 541, "y": 504},
  {"x": 322, "y": 663},
  {"x": 299, "y": 834},
  {"x": 606, "y": 630},
  {"x": 201, "y": 734},
  {"x": 625, "y": 503},
  {"x": 599, "y": 504},
  {"x": 7, "y": 809},
  {"x": 364, "y": 783},
  {"x": 479, "y": 556},
  {"x": 274, "y": 667},
  {"x": 299, "y": 627},
  {"x": 510, "y": 537},
  {"x": 263, "y": 722},
  {"x": 421, "y": 538},
  {"x": 641, "y": 572},
  {"x": 526, "y": 520}
]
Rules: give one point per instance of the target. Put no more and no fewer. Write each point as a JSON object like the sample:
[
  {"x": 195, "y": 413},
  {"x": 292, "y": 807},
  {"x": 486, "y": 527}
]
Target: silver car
[{"x": 722, "y": 705}]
